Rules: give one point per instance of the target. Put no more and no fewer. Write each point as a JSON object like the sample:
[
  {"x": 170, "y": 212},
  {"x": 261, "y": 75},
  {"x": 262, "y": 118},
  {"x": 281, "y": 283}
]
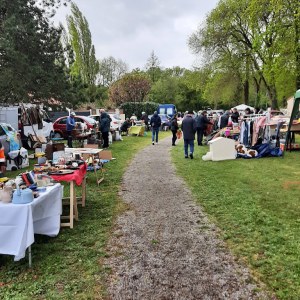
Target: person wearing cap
[
  {"x": 70, "y": 127},
  {"x": 189, "y": 128},
  {"x": 145, "y": 119}
]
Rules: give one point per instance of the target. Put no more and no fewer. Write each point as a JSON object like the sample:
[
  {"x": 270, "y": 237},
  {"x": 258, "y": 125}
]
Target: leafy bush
[{"x": 137, "y": 108}]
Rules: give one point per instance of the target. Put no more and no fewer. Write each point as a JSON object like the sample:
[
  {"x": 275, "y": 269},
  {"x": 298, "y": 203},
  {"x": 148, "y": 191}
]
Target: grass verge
[
  {"x": 69, "y": 266},
  {"x": 255, "y": 203}
]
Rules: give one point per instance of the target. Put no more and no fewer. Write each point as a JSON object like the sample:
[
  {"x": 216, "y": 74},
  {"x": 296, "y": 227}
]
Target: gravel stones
[{"x": 164, "y": 247}]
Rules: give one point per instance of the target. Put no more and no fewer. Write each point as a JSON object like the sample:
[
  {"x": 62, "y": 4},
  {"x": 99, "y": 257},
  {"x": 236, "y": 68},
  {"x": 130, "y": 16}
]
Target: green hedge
[{"x": 137, "y": 108}]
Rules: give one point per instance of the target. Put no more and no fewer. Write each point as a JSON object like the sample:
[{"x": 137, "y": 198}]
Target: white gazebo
[{"x": 242, "y": 107}]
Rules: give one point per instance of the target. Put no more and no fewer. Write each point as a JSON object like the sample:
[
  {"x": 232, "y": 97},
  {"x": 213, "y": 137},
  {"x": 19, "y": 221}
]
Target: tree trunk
[
  {"x": 246, "y": 82},
  {"x": 272, "y": 96},
  {"x": 246, "y": 92},
  {"x": 297, "y": 50},
  {"x": 257, "y": 91}
]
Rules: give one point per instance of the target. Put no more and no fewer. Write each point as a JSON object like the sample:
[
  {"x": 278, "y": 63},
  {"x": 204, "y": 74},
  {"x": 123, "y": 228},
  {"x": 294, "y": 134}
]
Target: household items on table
[{"x": 19, "y": 222}]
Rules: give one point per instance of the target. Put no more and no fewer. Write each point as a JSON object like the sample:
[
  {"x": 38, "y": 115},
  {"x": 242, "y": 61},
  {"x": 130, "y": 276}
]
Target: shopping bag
[{"x": 179, "y": 134}]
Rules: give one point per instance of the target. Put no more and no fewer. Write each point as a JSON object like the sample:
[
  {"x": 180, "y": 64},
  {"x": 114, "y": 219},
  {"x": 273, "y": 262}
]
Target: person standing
[
  {"x": 155, "y": 123},
  {"x": 189, "y": 128},
  {"x": 223, "y": 121},
  {"x": 235, "y": 115},
  {"x": 145, "y": 120},
  {"x": 201, "y": 123},
  {"x": 70, "y": 126},
  {"x": 174, "y": 129},
  {"x": 105, "y": 127}
]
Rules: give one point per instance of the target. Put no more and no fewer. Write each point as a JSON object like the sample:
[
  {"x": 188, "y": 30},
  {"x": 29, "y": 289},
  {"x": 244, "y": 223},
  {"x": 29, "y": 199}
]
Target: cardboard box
[
  {"x": 105, "y": 154},
  {"x": 58, "y": 147},
  {"x": 93, "y": 146}
]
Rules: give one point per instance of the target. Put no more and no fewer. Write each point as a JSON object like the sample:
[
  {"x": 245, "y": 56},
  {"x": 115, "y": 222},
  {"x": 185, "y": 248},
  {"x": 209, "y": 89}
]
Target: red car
[{"x": 60, "y": 125}]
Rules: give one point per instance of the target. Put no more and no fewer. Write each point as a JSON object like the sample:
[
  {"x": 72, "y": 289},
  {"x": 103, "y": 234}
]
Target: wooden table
[
  {"x": 78, "y": 177},
  {"x": 87, "y": 153}
]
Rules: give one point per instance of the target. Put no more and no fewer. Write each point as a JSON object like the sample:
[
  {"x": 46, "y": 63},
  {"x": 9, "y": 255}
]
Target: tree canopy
[
  {"x": 250, "y": 42},
  {"x": 31, "y": 57}
]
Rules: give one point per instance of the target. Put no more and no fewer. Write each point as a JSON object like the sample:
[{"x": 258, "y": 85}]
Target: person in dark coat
[
  {"x": 105, "y": 127},
  {"x": 224, "y": 120},
  {"x": 155, "y": 123},
  {"x": 174, "y": 127},
  {"x": 189, "y": 128},
  {"x": 235, "y": 115},
  {"x": 201, "y": 122},
  {"x": 145, "y": 120},
  {"x": 125, "y": 126}
]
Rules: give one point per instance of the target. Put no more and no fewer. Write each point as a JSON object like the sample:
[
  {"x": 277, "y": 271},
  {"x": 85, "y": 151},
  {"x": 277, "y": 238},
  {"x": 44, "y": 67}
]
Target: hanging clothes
[
  {"x": 12, "y": 138},
  {"x": 245, "y": 133}
]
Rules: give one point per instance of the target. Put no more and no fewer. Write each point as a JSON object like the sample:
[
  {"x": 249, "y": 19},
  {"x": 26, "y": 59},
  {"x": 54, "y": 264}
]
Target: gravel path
[{"x": 163, "y": 246}]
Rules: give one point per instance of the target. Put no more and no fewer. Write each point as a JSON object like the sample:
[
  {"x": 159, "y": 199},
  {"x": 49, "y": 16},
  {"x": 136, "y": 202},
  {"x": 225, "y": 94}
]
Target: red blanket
[{"x": 77, "y": 176}]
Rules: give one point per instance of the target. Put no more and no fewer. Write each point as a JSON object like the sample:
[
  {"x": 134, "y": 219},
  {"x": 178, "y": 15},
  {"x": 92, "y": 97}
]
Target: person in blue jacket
[
  {"x": 70, "y": 126},
  {"x": 155, "y": 123}
]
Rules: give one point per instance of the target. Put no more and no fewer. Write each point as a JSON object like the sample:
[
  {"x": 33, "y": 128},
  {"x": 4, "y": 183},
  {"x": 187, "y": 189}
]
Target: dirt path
[{"x": 164, "y": 247}]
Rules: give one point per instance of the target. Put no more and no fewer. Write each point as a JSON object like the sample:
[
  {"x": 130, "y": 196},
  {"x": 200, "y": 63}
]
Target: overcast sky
[{"x": 131, "y": 29}]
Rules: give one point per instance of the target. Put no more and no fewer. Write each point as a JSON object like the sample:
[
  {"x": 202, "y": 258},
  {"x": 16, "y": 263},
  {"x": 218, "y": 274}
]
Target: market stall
[
  {"x": 74, "y": 177},
  {"x": 19, "y": 222}
]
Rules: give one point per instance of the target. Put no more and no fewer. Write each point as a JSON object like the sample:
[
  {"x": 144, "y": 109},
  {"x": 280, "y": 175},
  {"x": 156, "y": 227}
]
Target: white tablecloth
[{"x": 19, "y": 222}]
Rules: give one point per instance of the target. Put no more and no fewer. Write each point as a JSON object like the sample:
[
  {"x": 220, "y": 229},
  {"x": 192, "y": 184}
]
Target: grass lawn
[
  {"x": 255, "y": 203},
  {"x": 69, "y": 266}
]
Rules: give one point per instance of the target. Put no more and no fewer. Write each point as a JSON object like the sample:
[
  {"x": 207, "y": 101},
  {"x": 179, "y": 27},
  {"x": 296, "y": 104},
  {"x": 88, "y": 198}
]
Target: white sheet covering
[{"x": 19, "y": 222}]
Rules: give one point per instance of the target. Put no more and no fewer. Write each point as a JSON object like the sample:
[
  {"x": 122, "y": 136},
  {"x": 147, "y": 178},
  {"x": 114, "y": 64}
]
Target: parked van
[{"x": 167, "y": 109}]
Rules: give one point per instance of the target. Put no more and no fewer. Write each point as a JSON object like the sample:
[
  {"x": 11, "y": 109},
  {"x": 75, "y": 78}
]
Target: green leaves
[
  {"x": 29, "y": 49},
  {"x": 250, "y": 39}
]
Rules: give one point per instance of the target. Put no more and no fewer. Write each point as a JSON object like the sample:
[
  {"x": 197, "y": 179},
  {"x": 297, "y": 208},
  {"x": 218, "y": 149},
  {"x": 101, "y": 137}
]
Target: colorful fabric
[
  {"x": 77, "y": 176},
  {"x": 12, "y": 138}
]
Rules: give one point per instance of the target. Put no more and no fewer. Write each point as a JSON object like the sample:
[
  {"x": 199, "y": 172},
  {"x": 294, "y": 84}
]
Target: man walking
[
  {"x": 189, "y": 128},
  {"x": 174, "y": 129},
  {"x": 155, "y": 123}
]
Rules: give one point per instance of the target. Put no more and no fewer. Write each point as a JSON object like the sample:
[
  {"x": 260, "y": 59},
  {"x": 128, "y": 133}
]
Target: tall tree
[
  {"x": 85, "y": 64},
  {"x": 249, "y": 29},
  {"x": 31, "y": 58},
  {"x": 132, "y": 87},
  {"x": 153, "y": 67},
  {"x": 111, "y": 70}
]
